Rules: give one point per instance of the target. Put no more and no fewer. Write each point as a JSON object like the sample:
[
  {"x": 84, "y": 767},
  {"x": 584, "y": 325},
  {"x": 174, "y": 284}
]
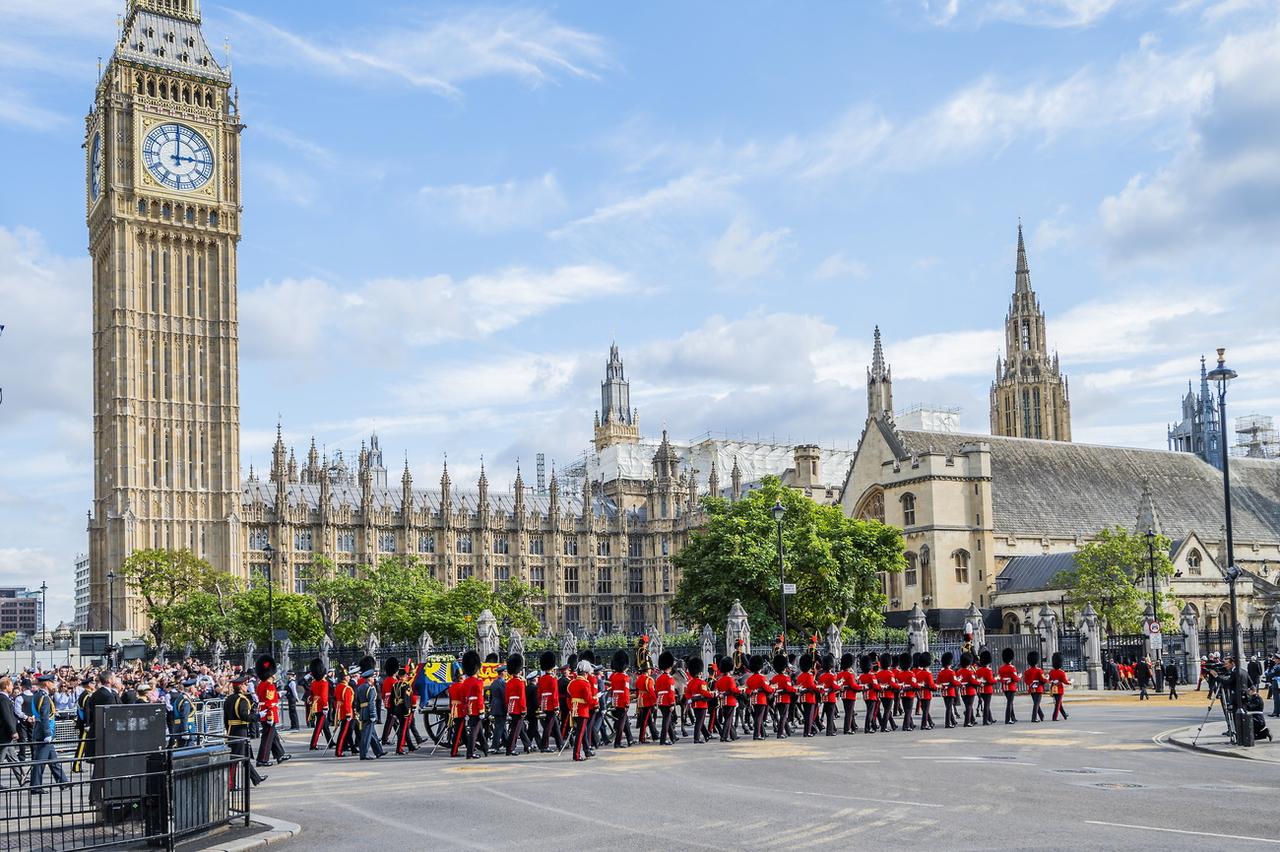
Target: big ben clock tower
[{"x": 162, "y": 201}]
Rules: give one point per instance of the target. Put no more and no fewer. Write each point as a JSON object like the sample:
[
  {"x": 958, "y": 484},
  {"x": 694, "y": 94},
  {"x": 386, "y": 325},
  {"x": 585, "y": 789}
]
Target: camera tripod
[{"x": 1218, "y": 697}]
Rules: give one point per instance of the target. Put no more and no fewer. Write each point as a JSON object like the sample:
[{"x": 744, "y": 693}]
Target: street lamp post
[
  {"x": 1221, "y": 375},
  {"x": 44, "y": 612},
  {"x": 271, "y": 612},
  {"x": 1151, "y": 570},
  {"x": 111, "y": 615},
  {"x": 778, "y": 512}
]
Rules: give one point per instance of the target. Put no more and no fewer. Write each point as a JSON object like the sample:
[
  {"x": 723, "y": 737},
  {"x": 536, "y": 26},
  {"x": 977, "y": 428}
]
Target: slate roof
[
  {"x": 1063, "y": 489},
  {"x": 1033, "y": 573},
  {"x": 173, "y": 44},
  {"x": 307, "y": 493}
]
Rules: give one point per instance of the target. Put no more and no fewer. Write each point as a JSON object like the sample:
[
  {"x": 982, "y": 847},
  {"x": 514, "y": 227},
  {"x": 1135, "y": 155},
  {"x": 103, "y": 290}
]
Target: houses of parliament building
[{"x": 163, "y": 174}]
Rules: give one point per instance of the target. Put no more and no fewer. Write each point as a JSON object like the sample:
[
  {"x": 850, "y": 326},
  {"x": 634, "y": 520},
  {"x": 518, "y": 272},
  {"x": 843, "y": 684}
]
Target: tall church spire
[
  {"x": 616, "y": 421},
  {"x": 1029, "y": 397},
  {"x": 879, "y": 382}
]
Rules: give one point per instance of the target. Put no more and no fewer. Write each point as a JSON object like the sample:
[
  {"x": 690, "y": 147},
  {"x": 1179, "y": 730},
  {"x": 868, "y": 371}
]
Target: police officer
[
  {"x": 44, "y": 714},
  {"x": 182, "y": 716},
  {"x": 237, "y": 714}
]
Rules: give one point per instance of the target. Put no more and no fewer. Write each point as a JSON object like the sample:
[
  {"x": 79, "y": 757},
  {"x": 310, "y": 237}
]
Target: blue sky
[{"x": 451, "y": 210}]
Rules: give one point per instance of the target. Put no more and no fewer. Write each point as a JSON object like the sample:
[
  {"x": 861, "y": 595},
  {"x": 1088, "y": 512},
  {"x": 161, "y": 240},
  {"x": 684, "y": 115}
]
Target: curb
[
  {"x": 278, "y": 830},
  {"x": 1171, "y": 738}
]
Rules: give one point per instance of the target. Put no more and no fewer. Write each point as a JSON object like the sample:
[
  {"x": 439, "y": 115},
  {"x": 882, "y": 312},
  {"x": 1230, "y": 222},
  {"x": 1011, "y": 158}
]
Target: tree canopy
[
  {"x": 836, "y": 563},
  {"x": 1112, "y": 572}
]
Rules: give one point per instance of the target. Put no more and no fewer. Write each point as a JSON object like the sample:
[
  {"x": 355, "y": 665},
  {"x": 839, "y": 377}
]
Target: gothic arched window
[
  {"x": 1194, "y": 560},
  {"x": 912, "y": 569},
  {"x": 871, "y": 507},
  {"x": 961, "y": 558},
  {"x": 908, "y": 511}
]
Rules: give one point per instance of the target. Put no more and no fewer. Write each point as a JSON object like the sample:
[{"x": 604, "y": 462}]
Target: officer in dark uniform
[
  {"x": 182, "y": 716},
  {"x": 367, "y": 714},
  {"x": 237, "y": 715}
]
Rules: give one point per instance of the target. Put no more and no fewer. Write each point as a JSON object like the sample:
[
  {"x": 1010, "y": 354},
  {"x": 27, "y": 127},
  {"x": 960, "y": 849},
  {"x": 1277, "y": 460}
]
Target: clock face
[
  {"x": 177, "y": 156},
  {"x": 95, "y": 166}
]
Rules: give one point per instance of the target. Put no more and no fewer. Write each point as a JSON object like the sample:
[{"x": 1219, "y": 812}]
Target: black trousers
[
  {"x": 581, "y": 737},
  {"x": 926, "y": 717},
  {"x": 757, "y": 722},
  {"x": 869, "y": 723},
  {"x": 969, "y": 719},
  {"x": 1009, "y": 717},
  {"x": 886, "y": 714},
  {"x": 850, "y": 719},
  {"x": 666, "y": 735},
  {"x": 344, "y": 740},
  {"x": 700, "y": 725},
  {"x": 551, "y": 730},
  {"x": 908, "y": 721},
  {"x": 829, "y": 715},
  {"x": 516, "y": 731},
  {"x": 240, "y": 748},
  {"x": 949, "y": 706},
  {"x": 987, "y": 718},
  {"x": 320, "y": 726},
  {"x": 782, "y": 720},
  {"x": 1057, "y": 707},
  {"x": 1037, "y": 712},
  {"x": 644, "y": 724},
  {"x": 409, "y": 738},
  {"x": 293, "y": 716},
  {"x": 728, "y": 730},
  {"x": 621, "y": 727},
  {"x": 269, "y": 746}
]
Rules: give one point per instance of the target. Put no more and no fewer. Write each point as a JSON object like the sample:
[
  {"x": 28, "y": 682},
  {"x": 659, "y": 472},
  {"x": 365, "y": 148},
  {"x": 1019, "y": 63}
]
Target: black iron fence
[
  {"x": 1259, "y": 642},
  {"x": 152, "y": 798}
]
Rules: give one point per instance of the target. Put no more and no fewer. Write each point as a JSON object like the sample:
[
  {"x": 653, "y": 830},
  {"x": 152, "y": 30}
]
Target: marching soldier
[
  {"x": 268, "y": 711},
  {"x": 870, "y": 694},
  {"x": 887, "y": 687},
  {"x": 318, "y": 705},
  {"x": 987, "y": 679},
  {"x": 344, "y": 709},
  {"x": 1034, "y": 678},
  {"x": 390, "y": 677},
  {"x": 83, "y": 722},
  {"x": 517, "y": 705},
  {"x": 402, "y": 709},
  {"x": 1058, "y": 682},
  {"x": 696, "y": 692},
  {"x": 549, "y": 702},
  {"x": 366, "y": 708},
  {"x": 1009, "y": 678},
  {"x": 969, "y": 683},
  {"x": 237, "y": 715},
  {"x": 808, "y": 688},
  {"x": 924, "y": 688},
  {"x": 665, "y": 688},
  {"x": 620, "y": 690},
  {"x": 847, "y": 681},
  {"x": 647, "y": 701},
  {"x": 470, "y": 696},
  {"x": 907, "y": 690},
  {"x": 758, "y": 692},
  {"x": 783, "y": 691},
  {"x": 947, "y": 684},
  {"x": 582, "y": 703},
  {"x": 727, "y": 686}
]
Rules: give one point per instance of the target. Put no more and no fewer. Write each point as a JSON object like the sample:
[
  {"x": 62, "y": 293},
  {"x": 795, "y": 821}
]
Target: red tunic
[
  {"x": 808, "y": 688},
  {"x": 987, "y": 678},
  {"x": 849, "y": 681},
  {"x": 828, "y": 681},
  {"x": 885, "y": 682},
  {"x": 516, "y": 702},
  {"x": 268, "y": 701},
  {"x": 759, "y": 689},
  {"x": 548, "y": 693},
  {"x": 728, "y": 687},
  {"x": 646, "y": 694},
  {"x": 620, "y": 689},
  {"x": 947, "y": 681},
  {"x": 1033, "y": 677},
  {"x": 968, "y": 680},
  {"x": 1009, "y": 677},
  {"x": 1058, "y": 681},
  {"x": 868, "y": 680},
  {"x": 906, "y": 681},
  {"x": 385, "y": 688},
  {"x": 924, "y": 683},
  {"x": 345, "y": 697},
  {"x": 582, "y": 698},
  {"x": 665, "y": 689},
  {"x": 696, "y": 691},
  {"x": 782, "y": 685},
  {"x": 473, "y": 695},
  {"x": 319, "y": 696}
]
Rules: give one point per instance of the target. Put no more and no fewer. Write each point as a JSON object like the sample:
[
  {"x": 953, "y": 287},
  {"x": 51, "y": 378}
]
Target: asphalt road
[{"x": 1097, "y": 781}]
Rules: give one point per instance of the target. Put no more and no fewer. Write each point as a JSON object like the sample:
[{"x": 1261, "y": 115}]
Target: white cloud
[
  {"x": 1039, "y": 13},
  {"x": 1226, "y": 180},
  {"x": 740, "y": 253},
  {"x": 442, "y": 54},
  {"x": 504, "y": 381},
  {"x": 839, "y": 266},
  {"x": 17, "y": 109},
  {"x": 296, "y": 318},
  {"x": 494, "y": 207},
  {"x": 690, "y": 191}
]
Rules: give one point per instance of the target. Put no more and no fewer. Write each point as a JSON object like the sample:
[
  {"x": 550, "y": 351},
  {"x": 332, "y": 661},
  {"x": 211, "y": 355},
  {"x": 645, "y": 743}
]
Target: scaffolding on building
[{"x": 1256, "y": 437}]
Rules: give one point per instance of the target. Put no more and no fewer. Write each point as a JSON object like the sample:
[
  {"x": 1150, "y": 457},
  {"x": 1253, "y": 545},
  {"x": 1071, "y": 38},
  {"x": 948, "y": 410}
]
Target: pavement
[{"x": 1107, "y": 778}]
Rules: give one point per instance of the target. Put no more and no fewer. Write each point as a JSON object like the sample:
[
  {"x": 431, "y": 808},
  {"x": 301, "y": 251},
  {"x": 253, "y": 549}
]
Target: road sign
[
  {"x": 1154, "y": 627},
  {"x": 1157, "y": 641},
  {"x": 788, "y": 588}
]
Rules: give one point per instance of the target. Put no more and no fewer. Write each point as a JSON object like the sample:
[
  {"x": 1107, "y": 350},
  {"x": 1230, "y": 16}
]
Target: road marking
[
  {"x": 1182, "y": 831},
  {"x": 684, "y": 841},
  {"x": 1105, "y": 769},
  {"x": 834, "y": 796}
]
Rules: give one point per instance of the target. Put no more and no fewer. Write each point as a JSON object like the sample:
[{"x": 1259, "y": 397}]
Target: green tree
[
  {"x": 1112, "y": 572},
  {"x": 251, "y": 617},
  {"x": 452, "y": 615},
  {"x": 163, "y": 579},
  {"x": 338, "y": 599},
  {"x": 7, "y": 641},
  {"x": 836, "y": 563}
]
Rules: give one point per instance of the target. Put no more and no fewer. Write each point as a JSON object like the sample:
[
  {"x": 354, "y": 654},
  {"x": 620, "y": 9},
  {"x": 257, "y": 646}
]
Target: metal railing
[{"x": 179, "y": 792}]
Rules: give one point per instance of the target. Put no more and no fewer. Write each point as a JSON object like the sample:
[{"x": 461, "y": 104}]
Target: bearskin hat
[
  {"x": 864, "y": 663},
  {"x": 828, "y": 662},
  {"x": 984, "y": 657},
  {"x": 367, "y": 662},
  {"x": 694, "y": 665},
  {"x": 1033, "y": 658},
  {"x": 265, "y": 667},
  {"x": 966, "y": 660},
  {"x": 926, "y": 660},
  {"x": 846, "y": 661},
  {"x": 1057, "y": 659},
  {"x": 470, "y": 663},
  {"x": 886, "y": 660},
  {"x": 779, "y": 663},
  {"x": 572, "y": 663},
  {"x": 316, "y": 668},
  {"x": 1007, "y": 655},
  {"x": 619, "y": 661},
  {"x": 947, "y": 657},
  {"x": 806, "y": 663},
  {"x": 339, "y": 672},
  {"x": 515, "y": 664},
  {"x": 666, "y": 660},
  {"x": 547, "y": 660},
  {"x": 390, "y": 666},
  {"x": 588, "y": 656},
  {"x": 755, "y": 664}
]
